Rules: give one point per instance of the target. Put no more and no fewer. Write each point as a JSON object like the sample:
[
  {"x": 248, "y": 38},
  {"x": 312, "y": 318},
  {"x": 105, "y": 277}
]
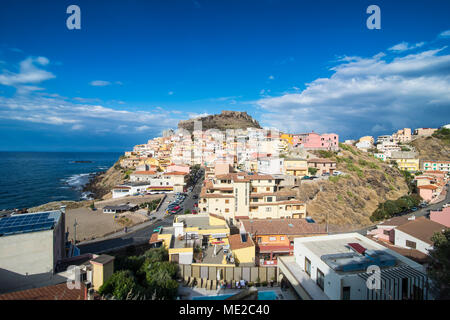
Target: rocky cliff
[{"x": 222, "y": 121}]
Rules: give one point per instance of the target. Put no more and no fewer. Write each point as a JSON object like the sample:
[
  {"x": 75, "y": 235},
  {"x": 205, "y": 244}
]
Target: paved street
[
  {"x": 141, "y": 233},
  {"x": 420, "y": 212}
]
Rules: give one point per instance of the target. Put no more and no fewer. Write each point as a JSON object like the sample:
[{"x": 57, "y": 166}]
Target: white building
[
  {"x": 270, "y": 165},
  {"x": 31, "y": 245},
  {"x": 336, "y": 267},
  {"x": 416, "y": 234}
]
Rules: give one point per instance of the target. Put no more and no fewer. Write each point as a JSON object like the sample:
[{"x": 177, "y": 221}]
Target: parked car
[
  {"x": 194, "y": 211},
  {"x": 337, "y": 173},
  {"x": 414, "y": 209},
  {"x": 196, "y": 204},
  {"x": 325, "y": 174},
  {"x": 175, "y": 211},
  {"x": 195, "y": 196},
  {"x": 157, "y": 229},
  {"x": 305, "y": 178}
]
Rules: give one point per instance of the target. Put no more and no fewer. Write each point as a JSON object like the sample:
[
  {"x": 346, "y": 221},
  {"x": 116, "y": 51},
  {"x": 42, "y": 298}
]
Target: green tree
[
  {"x": 120, "y": 284},
  {"x": 312, "y": 171},
  {"x": 439, "y": 267}
]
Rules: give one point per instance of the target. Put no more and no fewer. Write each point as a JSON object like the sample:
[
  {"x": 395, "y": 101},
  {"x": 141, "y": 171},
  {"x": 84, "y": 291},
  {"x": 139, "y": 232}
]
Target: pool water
[{"x": 262, "y": 295}]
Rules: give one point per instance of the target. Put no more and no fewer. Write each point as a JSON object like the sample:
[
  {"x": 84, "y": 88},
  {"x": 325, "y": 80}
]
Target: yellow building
[
  {"x": 194, "y": 231},
  {"x": 295, "y": 167},
  {"x": 407, "y": 164},
  {"x": 287, "y": 137},
  {"x": 243, "y": 249},
  {"x": 102, "y": 270}
]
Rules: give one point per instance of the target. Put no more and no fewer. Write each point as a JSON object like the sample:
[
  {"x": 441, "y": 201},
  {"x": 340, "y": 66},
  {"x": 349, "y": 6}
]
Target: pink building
[
  {"x": 178, "y": 168},
  {"x": 315, "y": 141},
  {"x": 442, "y": 217},
  {"x": 427, "y": 192}
]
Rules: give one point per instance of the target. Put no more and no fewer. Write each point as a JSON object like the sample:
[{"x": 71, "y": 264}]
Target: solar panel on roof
[{"x": 27, "y": 223}]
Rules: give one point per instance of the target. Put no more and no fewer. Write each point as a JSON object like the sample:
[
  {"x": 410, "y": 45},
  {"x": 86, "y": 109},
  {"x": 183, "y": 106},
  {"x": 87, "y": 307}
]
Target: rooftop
[
  {"x": 237, "y": 241},
  {"x": 282, "y": 226},
  {"x": 29, "y": 222},
  {"x": 55, "y": 292},
  {"x": 422, "y": 229},
  {"x": 103, "y": 259}
]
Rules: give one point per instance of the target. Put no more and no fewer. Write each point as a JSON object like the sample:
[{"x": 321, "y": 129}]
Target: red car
[
  {"x": 176, "y": 208},
  {"x": 194, "y": 211}
]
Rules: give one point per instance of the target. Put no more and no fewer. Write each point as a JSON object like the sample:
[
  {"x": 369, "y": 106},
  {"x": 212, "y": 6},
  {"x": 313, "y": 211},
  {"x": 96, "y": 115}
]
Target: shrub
[
  {"x": 120, "y": 284},
  {"x": 326, "y": 154},
  {"x": 312, "y": 171},
  {"x": 264, "y": 283}
]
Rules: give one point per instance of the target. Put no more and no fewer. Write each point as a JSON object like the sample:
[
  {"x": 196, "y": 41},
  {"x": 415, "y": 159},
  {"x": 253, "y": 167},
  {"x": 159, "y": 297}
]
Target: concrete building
[
  {"x": 417, "y": 233},
  {"x": 275, "y": 237},
  {"x": 402, "y": 135},
  {"x": 442, "y": 217},
  {"x": 270, "y": 165},
  {"x": 322, "y": 165},
  {"x": 424, "y": 132},
  {"x": 435, "y": 165},
  {"x": 296, "y": 167},
  {"x": 406, "y": 160},
  {"x": 240, "y": 195},
  {"x": 339, "y": 267},
  {"x": 31, "y": 245}
]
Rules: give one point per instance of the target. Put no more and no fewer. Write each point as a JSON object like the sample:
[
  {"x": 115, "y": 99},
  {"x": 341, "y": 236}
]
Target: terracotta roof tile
[{"x": 55, "y": 292}]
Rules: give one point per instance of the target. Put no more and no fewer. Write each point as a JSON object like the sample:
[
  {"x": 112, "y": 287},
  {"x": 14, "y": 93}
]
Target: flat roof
[
  {"x": 29, "y": 222},
  {"x": 103, "y": 259}
]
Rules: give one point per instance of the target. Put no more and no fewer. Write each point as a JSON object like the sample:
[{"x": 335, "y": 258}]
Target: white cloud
[
  {"x": 99, "y": 83},
  {"x": 271, "y": 77},
  {"x": 28, "y": 73},
  {"x": 365, "y": 92},
  {"x": 445, "y": 34},
  {"x": 403, "y": 46},
  {"x": 142, "y": 128}
]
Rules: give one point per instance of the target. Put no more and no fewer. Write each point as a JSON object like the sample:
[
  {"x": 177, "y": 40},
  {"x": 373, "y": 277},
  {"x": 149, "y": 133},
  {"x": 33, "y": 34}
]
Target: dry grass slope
[
  {"x": 352, "y": 199},
  {"x": 431, "y": 148}
]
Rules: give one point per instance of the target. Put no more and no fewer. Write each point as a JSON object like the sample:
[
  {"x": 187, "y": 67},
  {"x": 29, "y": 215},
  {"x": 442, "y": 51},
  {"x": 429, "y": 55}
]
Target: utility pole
[{"x": 75, "y": 232}]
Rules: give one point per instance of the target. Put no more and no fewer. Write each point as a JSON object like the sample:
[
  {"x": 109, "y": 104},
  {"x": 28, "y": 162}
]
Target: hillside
[
  {"x": 222, "y": 121},
  {"x": 351, "y": 199},
  {"x": 432, "y": 148},
  {"x": 102, "y": 184}
]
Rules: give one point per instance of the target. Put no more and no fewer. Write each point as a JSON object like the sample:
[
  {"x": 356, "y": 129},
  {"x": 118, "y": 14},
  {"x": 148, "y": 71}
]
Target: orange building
[{"x": 275, "y": 237}]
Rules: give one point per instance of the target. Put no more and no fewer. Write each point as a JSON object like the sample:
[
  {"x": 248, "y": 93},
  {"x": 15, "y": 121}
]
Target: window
[
  {"x": 281, "y": 238},
  {"x": 272, "y": 238},
  {"x": 227, "y": 201},
  {"x": 320, "y": 279},
  {"x": 267, "y": 189},
  {"x": 386, "y": 232},
  {"x": 227, "y": 210},
  {"x": 410, "y": 244},
  {"x": 259, "y": 239},
  {"x": 346, "y": 293},
  {"x": 269, "y": 199},
  {"x": 308, "y": 267},
  {"x": 268, "y": 209}
]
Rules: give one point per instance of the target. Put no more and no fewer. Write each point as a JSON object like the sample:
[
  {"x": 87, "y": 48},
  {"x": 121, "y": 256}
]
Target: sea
[{"x": 29, "y": 179}]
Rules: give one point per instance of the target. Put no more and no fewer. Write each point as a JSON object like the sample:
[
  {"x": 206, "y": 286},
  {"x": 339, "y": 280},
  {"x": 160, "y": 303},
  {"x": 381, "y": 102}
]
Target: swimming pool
[{"x": 262, "y": 295}]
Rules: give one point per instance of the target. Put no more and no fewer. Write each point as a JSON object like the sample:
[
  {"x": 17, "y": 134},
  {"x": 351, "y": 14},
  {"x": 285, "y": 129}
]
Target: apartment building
[
  {"x": 339, "y": 267},
  {"x": 275, "y": 237},
  {"x": 322, "y": 165},
  {"x": 236, "y": 196},
  {"x": 424, "y": 132},
  {"x": 270, "y": 165},
  {"x": 402, "y": 135},
  {"x": 295, "y": 167},
  {"x": 406, "y": 160},
  {"x": 315, "y": 141},
  {"x": 436, "y": 165}
]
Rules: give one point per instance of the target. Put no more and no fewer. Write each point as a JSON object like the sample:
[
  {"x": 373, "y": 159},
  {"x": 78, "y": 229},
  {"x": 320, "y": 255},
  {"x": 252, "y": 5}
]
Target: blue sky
[{"x": 138, "y": 67}]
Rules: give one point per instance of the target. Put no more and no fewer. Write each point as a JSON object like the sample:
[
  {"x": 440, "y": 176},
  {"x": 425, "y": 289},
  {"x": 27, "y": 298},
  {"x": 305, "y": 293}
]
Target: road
[
  {"x": 141, "y": 233},
  {"x": 419, "y": 213}
]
